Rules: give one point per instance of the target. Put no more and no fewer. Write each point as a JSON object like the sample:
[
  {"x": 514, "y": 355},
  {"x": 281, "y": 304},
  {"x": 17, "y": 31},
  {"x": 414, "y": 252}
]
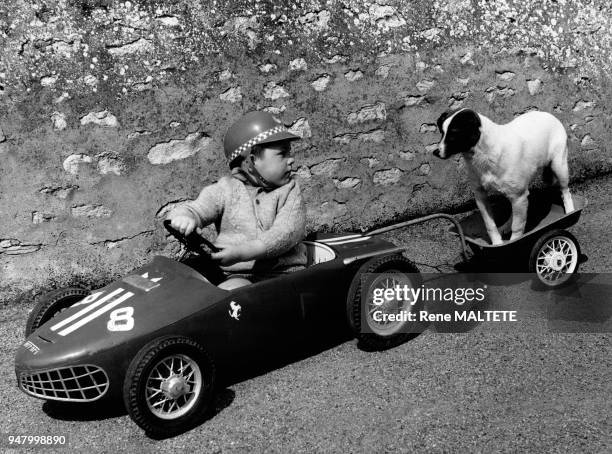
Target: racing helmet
[{"x": 252, "y": 129}]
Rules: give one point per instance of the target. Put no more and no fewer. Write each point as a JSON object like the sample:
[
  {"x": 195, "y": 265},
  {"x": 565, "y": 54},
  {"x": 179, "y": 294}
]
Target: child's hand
[
  {"x": 184, "y": 224},
  {"x": 229, "y": 254}
]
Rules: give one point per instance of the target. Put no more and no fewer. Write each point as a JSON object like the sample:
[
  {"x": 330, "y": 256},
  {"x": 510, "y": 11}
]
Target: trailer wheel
[
  {"x": 168, "y": 386},
  {"x": 51, "y": 304},
  {"x": 383, "y": 273},
  {"x": 555, "y": 258}
]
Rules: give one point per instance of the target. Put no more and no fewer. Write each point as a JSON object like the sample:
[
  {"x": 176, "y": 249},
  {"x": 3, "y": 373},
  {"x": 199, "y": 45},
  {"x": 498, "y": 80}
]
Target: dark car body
[{"x": 82, "y": 354}]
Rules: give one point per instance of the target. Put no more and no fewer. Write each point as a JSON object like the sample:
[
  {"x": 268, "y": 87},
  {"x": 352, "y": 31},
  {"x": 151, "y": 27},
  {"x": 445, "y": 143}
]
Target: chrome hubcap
[
  {"x": 173, "y": 386},
  {"x": 557, "y": 259}
]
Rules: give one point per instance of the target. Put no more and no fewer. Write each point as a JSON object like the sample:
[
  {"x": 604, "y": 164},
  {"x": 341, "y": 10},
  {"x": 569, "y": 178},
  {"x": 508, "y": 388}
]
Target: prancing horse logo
[{"x": 235, "y": 312}]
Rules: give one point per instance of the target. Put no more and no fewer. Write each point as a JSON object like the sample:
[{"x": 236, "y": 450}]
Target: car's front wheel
[
  {"x": 168, "y": 386},
  {"x": 51, "y": 304}
]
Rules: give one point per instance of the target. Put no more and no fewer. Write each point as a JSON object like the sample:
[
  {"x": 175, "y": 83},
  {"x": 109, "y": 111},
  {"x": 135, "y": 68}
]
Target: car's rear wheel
[
  {"x": 377, "y": 325},
  {"x": 168, "y": 386},
  {"x": 51, "y": 304},
  {"x": 555, "y": 258}
]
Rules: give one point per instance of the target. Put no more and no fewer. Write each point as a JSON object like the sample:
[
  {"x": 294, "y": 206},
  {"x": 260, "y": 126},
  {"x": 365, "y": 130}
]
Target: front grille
[{"x": 77, "y": 383}]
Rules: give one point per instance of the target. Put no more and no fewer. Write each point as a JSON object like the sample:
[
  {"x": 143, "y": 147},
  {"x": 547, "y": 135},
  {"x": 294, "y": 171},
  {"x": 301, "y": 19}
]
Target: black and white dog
[{"x": 505, "y": 158}]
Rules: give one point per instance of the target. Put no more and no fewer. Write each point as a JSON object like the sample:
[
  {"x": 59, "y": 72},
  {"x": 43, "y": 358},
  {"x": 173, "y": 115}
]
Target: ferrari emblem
[{"x": 235, "y": 310}]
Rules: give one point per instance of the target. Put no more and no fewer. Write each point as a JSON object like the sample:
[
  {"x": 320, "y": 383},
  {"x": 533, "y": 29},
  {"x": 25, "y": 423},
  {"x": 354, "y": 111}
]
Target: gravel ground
[{"x": 484, "y": 390}]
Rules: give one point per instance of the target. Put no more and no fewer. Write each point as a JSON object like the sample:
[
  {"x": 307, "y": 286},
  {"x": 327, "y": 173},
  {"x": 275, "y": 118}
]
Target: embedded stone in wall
[
  {"x": 232, "y": 95},
  {"x": 48, "y": 81},
  {"x": 587, "y": 142},
  {"x": 90, "y": 81},
  {"x": 62, "y": 49},
  {"x": 247, "y": 26},
  {"x": 168, "y": 21},
  {"x": 505, "y": 76},
  {"x": 336, "y": 59},
  {"x": 225, "y": 75},
  {"x": 387, "y": 177},
  {"x": 327, "y": 167},
  {"x": 73, "y": 162},
  {"x": 110, "y": 162},
  {"x": 62, "y": 192},
  {"x": 352, "y": 76},
  {"x": 298, "y": 64},
  {"x": 424, "y": 169},
  {"x": 275, "y": 110},
  {"x": 316, "y": 21},
  {"x": 91, "y": 211},
  {"x": 61, "y": 98},
  {"x": 457, "y": 99},
  {"x": 428, "y": 127},
  {"x": 582, "y": 105},
  {"x": 467, "y": 59},
  {"x": 383, "y": 71},
  {"x": 463, "y": 81},
  {"x": 164, "y": 153},
  {"x": 59, "y": 121},
  {"x": 103, "y": 118},
  {"x": 412, "y": 100},
  {"x": 267, "y": 67},
  {"x": 321, "y": 82},
  {"x": 347, "y": 183},
  {"x": 273, "y": 91},
  {"x": 368, "y": 113},
  {"x": 534, "y": 86},
  {"x": 432, "y": 147},
  {"x": 140, "y": 46},
  {"x": 385, "y": 17},
  {"x": 431, "y": 34},
  {"x": 2, "y": 136},
  {"x": 425, "y": 85},
  {"x": 303, "y": 172},
  {"x": 39, "y": 218},
  {"x": 370, "y": 161},
  {"x": 492, "y": 93},
  {"x": 301, "y": 128},
  {"x": 407, "y": 155},
  {"x": 376, "y": 136},
  {"x": 133, "y": 135},
  {"x": 12, "y": 246}
]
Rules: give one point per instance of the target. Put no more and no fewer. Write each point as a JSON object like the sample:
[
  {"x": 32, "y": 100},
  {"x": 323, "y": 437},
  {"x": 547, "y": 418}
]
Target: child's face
[{"x": 275, "y": 162}]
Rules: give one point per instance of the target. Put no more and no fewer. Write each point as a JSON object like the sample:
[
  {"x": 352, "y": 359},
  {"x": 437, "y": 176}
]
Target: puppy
[{"x": 505, "y": 158}]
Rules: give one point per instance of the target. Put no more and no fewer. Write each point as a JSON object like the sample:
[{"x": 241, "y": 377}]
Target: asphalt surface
[{"x": 495, "y": 387}]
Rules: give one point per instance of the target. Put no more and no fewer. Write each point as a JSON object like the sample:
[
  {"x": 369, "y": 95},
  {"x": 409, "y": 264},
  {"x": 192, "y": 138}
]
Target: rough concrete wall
[{"x": 111, "y": 112}]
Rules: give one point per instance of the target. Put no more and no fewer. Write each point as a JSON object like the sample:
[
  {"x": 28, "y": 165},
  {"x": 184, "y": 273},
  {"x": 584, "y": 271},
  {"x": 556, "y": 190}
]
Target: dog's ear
[
  {"x": 469, "y": 122},
  {"x": 441, "y": 119}
]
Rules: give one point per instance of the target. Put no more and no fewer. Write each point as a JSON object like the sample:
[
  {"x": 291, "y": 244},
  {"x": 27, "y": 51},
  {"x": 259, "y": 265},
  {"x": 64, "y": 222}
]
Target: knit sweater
[{"x": 242, "y": 212}]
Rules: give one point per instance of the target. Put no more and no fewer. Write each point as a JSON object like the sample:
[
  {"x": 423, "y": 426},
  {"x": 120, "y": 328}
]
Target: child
[{"x": 257, "y": 210}]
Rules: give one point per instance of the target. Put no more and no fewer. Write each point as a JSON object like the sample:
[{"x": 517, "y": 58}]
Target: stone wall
[{"x": 112, "y": 112}]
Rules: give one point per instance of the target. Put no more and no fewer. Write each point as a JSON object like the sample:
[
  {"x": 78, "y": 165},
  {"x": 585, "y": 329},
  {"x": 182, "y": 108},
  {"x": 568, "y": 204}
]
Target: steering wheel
[{"x": 195, "y": 243}]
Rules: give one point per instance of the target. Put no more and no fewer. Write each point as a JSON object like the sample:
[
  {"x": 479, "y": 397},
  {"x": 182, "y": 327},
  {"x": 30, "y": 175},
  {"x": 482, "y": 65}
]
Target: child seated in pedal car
[{"x": 258, "y": 210}]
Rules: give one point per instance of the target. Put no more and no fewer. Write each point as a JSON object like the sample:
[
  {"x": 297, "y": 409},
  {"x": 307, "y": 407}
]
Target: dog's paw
[
  {"x": 496, "y": 239},
  {"x": 516, "y": 236}
]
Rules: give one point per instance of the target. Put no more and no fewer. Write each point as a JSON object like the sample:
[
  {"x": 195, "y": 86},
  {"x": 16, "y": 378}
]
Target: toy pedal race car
[{"x": 157, "y": 338}]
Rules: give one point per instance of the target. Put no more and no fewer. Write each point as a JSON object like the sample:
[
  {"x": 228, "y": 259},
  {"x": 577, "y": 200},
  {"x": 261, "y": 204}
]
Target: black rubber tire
[
  {"x": 535, "y": 251},
  {"x": 134, "y": 386},
  {"x": 373, "y": 341},
  {"x": 51, "y": 304}
]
